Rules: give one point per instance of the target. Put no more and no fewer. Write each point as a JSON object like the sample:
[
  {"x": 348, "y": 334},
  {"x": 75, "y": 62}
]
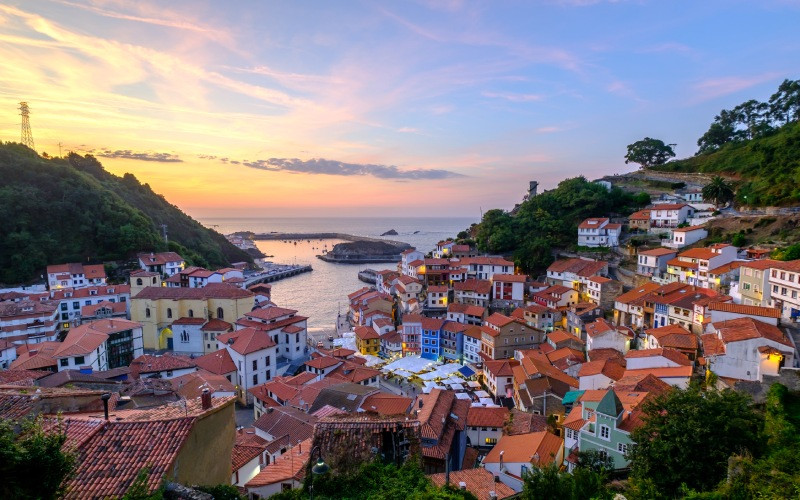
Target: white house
[
  {"x": 75, "y": 275},
  {"x": 407, "y": 257},
  {"x": 653, "y": 262},
  {"x": 509, "y": 287},
  {"x": 483, "y": 268},
  {"x": 600, "y": 334},
  {"x": 485, "y": 425},
  {"x": 784, "y": 284},
  {"x": 72, "y": 300},
  {"x": 436, "y": 297},
  {"x": 472, "y": 344},
  {"x": 598, "y": 232},
  {"x": 703, "y": 261},
  {"x": 165, "y": 263},
  {"x": 187, "y": 336},
  {"x": 255, "y": 355},
  {"x": 723, "y": 311},
  {"x": 746, "y": 349},
  {"x": 100, "y": 345},
  {"x": 8, "y": 353},
  {"x": 669, "y": 215},
  {"x": 513, "y": 456},
  {"x": 287, "y": 329},
  {"x": 663, "y": 357},
  {"x": 685, "y": 236}
]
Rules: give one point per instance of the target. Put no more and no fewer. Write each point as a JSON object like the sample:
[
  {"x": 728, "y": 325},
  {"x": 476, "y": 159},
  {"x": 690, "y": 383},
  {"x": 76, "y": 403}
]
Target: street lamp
[{"x": 318, "y": 469}]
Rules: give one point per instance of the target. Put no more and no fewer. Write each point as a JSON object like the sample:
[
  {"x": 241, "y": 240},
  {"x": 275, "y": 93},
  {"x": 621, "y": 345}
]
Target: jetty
[
  {"x": 322, "y": 236},
  {"x": 269, "y": 276}
]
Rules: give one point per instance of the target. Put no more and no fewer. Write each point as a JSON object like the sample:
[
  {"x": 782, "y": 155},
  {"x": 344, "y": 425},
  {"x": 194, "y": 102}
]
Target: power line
[{"x": 26, "y": 134}]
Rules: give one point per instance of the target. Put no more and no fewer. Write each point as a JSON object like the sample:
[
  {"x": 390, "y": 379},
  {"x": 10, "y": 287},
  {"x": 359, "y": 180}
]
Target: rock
[
  {"x": 390, "y": 232},
  {"x": 416, "y": 232}
]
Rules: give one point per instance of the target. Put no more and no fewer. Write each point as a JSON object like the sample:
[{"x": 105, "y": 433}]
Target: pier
[
  {"x": 275, "y": 275},
  {"x": 324, "y": 236}
]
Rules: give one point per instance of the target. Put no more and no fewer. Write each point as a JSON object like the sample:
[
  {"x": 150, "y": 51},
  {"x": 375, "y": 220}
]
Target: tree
[
  {"x": 718, "y": 191},
  {"x": 32, "y": 463},
  {"x": 550, "y": 482},
  {"x": 642, "y": 199},
  {"x": 595, "y": 461},
  {"x": 784, "y": 105},
  {"x": 649, "y": 152},
  {"x": 688, "y": 435}
]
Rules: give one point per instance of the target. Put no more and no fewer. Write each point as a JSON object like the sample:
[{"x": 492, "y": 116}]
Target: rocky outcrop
[
  {"x": 360, "y": 252},
  {"x": 390, "y": 232}
]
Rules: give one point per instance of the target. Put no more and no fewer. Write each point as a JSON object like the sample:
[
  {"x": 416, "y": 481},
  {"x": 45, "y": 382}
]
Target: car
[{"x": 320, "y": 345}]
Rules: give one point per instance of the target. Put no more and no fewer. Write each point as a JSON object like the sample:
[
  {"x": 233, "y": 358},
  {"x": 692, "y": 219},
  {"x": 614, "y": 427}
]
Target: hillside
[
  {"x": 766, "y": 169},
  {"x": 72, "y": 210}
]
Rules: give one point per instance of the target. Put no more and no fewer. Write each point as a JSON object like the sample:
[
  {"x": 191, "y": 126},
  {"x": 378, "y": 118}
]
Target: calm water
[{"x": 321, "y": 293}]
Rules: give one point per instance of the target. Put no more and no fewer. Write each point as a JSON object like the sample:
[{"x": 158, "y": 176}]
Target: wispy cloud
[
  {"x": 138, "y": 155},
  {"x": 334, "y": 167},
  {"x": 510, "y": 96},
  {"x": 717, "y": 87}
]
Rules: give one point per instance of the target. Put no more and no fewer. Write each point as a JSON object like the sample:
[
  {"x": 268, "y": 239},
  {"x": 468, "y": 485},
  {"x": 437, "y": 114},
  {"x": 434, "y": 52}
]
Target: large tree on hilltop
[{"x": 649, "y": 152}]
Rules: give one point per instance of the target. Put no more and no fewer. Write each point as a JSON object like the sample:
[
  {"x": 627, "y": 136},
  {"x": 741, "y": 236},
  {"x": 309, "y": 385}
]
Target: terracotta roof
[
  {"x": 480, "y": 482},
  {"x": 674, "y": 336},
  {"x": 637, "y": 293},
  {"x": 562, "y": 336},
  {"x": 641, "y": 382},
  {"x": 499, "y": 320},
  {"x": 689, "y": 229},
  {"x": 668, "y": 206},
  {"x": 574, "y": 419},
  {"x": 581, "y": 267},
  {"x": 767, "y": 312},
  {"x": 113, "y": 457},
  {"x": 671, "y": 354},
  {"x": 287, "y": 421},
  {"x": 473, "y": 285},
  {"x": 86, "y": 338},
  {"x": 432, "y": 323},
  {"x": 247, "y": 447},
  {"x": 150, "y": 363},
  {"x": 17, "y": 377},
  {"x": 323, "y": 362},
  {"x": 611, "y": 368},
  {"x": 664, "y": 372},
  {"x": 500, "y": 367},
  {"x": 736, "y": 330},
  {"x": 657, "y": 252},
  {"x": 522, "y": 448},
  {"x": 593, "y": 223},
  {"x": 604, "y": 353},
  {"x": 191, "y": 385},
  {"x": 289, "y": 466},
  {"x": 726, "y": 268},
  {"x": 524, "y": 422},
  {"x": 353, "y": 372},
  {"x": 640, "y": 215},
  {"x": 217, "y": 325},
  {"x": 510, "y": 278},
  {"x": 270, "y": 313},
  {"x": 159, "y": 258},
  {"x": 479, "y": 416},
  {"x": 712, "y": 345},
  {"x": 366, "y": 333},
  {"x": 115, "y": 307},
  {"x": 677, "y": 262},
  {"x": 386, "y": 404},
  {"x": 219, "y": 362},
  {"x": 699, "y": 253},
  {"x": 247, "y": 340},
  {"x": 91, "y": 271},
  {"x": 210, "y": 291}
]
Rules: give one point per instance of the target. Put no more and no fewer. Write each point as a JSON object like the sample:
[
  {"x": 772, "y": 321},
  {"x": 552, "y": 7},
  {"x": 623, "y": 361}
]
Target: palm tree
[{"x": 718, "y": 191}]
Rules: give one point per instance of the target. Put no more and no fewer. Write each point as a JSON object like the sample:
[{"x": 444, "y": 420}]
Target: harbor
[{"x": 275, "y": 272}]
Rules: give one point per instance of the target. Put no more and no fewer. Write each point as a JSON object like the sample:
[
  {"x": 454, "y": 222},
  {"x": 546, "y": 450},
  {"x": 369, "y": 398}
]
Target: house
[
  {"x": 407, "y": 288},
  {"x": 472, "y": 344},
  {"x": 686, "y": 236},
  {"x": 639, "y": 221},
  {"x": 247, "y": 457},
  {"x": 600, "y": 334},
  {"x": 662, "y": 357},
  {"x": 485, "y": 425},
  {"x": 483, "y": 268},
  {"x": 285, "y": 473},
  {"x": 579, "y": 315},
  {"x": 254, "y": 353},
  {"x": 672, "y": 336},
  {"x": 473, "y": 292},
  {"x": 669, "y": 215},
  {"x": 194, "y": 277},
  {"x": 540, "y": 387},
  {"x": 502, "y": 335},
  {"x": 452, "y": 340},
  {"x": 211, "y": 330},
  {"x": 391, "y": 344},
  {"x": 187, "y": 336},
  {"x": 100, "y": 345},
  {"x": 556, "y": 296},
  {"x": 104, "y": 310},
  {"x": 157, "y": 307},
  {"x": 322, "y": 365},
  {"x": 601, "y": 373},
  {"x": 509, "y": 288},
  {"x": 784, "y": 283},
  {"x": 695, "y": 266},
  {"x": 367, "y": 340},
  {"x": 598, "y": 232},
  {"x": 164, "y": 263},
  {"x": 653, "y": 262},
  {"x": 467, "y": 314},
  {"x": 180, "y": 445},
  {"x": 480, "y": 482},
  {"x": 499, "y": 376},
  {"x": 75, "y": 275},
  {"x": 754, "y": 286},
  {"x": 746, "y": 349},
  {"x": 72, "y": 300},
  {"x": 431, "y": 338},
  {"x": 192, "y": 385},
  {"x": 412, "y": 334},
  {"x": 443, "y": 426},
  {"x": 8, "y": 353},
  {"x": 559, "y": 338},
  {"x": 218, "y": 362},
  {"x": 628, "y": 306},
  {"x": 603, "y": 291},
  {"x": 513, "y": 456},
  {"x": 575, "y": 273},
  {"x": 436, "y": 298},
  {"x": 384, "y": 281},
  {"x": 288, "y": 330},
  {"x": 165, "y": 366},
  {"x": 28, "y": 321},
  {"x": 541, "y": 317}
]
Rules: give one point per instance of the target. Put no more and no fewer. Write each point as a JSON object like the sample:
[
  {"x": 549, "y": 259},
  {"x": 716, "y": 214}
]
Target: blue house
[
  {"x": 431, "y": 338},
  {"x": 452, "y": 341}
]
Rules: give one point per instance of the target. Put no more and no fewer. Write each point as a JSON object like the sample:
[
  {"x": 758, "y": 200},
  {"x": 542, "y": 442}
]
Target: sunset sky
[{"x": 379, "y": 108}]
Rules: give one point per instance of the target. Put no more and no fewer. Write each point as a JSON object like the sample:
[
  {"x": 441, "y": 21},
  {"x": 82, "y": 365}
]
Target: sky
[{"x": 366, "y": 108}]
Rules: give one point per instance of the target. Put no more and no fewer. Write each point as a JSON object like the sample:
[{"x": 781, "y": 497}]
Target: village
[{"x": 484, "y": 371}]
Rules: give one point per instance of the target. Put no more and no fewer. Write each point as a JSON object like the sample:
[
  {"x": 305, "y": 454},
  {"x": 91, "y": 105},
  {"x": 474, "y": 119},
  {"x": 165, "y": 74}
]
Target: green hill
[
  {"x": 71, "y": 210},
  {"x": 767, "y": 168}
]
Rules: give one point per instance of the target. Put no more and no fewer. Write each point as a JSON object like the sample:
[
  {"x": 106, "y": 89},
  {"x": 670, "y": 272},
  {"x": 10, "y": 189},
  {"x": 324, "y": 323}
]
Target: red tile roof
[
  {"x": 289, "y": 466},
  {"x": 736, "y": 330},
  {"x": 386, "y": 404},
  {"x": 480, "y": 482},
  {"x": 522, "y": 448},
  {"x": 657, "y": 252},
  {"x": 191, "y": 385},
  {"x": 671, "y": 354},
  {"x": 219, "y": 362},
  {"x": 767, "y": 312},
  {"x": 150, "y": 363},
  {"x": 479, "y": 416},
  {"x": 247, "y": 340}
]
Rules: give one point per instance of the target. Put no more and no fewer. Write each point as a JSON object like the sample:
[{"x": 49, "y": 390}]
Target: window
[
  {"x": 622, "y": 448},
  {"x": 184, "y": 337},
  {"x": 220, "y": 313},
  {"x": 255, "y": 364},
  {"x": 147, "y": 312},
  {"x": 63, "y": 361},
  {"x": 191, "y": 313},
  {"x": 774, "y": 288},
  {"x": 605, "y": 432},
  {"x": 169, "y": 312},
  {"x": 255, "y": 379},
  {"x": 76, "y": 305},
  {"x": 139, "y": 281},
  {"x": 79, "y": 360},
  {"x": 266, "y": 361},
  {"x": 64, "y": 306}
]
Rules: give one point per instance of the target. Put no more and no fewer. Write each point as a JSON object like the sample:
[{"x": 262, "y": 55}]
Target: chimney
[
  {"x": 269, "y": 409},
  {"x": 420, "y": 403},
  {"x": 462, "y": 485},
  {"x": 501, "y": 459},
  {"x": 496, "y": 478},
  {"x": 492, "y": 495},
  {"x": 206, "y": 399},
  {"x": 105, "y": 397}
]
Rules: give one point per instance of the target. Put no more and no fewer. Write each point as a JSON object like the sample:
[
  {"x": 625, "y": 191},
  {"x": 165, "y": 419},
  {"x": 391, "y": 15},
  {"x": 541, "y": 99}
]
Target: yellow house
[
  {"x": 367, "y": 340},
  {"x": 156, "y": 307}
]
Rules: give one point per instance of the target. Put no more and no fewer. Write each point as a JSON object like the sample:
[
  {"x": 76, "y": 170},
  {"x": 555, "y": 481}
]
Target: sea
[{"x": 322, "y": 294}]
